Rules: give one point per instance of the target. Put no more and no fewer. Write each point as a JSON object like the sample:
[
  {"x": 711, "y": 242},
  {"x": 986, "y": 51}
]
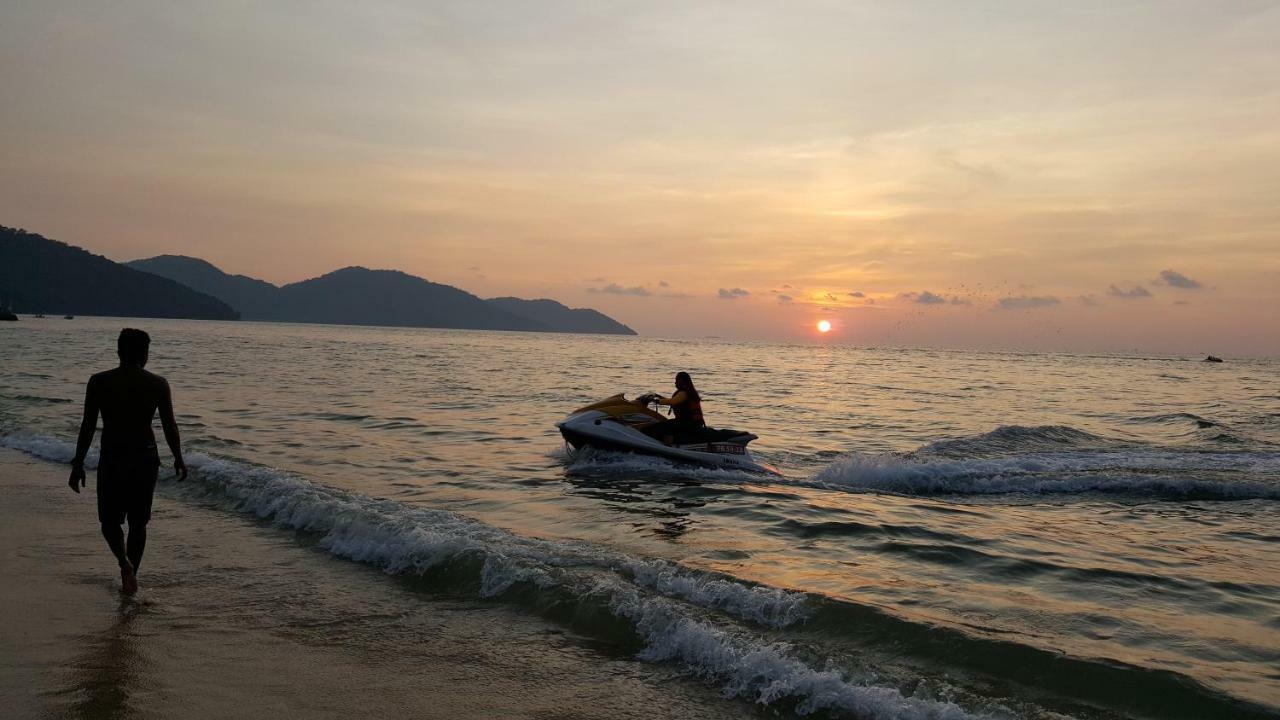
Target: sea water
[{"x": 952, "y": 534}]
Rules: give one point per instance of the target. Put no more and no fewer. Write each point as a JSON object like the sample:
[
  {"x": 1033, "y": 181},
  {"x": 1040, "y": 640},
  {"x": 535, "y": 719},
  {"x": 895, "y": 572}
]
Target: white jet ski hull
[{"x": 592, "y": 428}]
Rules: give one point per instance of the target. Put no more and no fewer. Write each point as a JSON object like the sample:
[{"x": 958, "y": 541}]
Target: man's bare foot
[{"x": 128, "y": 580}]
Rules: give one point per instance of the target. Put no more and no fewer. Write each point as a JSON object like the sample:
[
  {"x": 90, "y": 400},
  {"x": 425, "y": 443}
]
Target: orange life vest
[{"x": 690, "y": 411}]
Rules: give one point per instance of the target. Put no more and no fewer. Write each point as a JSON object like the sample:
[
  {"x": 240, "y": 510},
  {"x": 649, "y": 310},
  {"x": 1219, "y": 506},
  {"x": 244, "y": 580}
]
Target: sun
[{"x": 824, "y": 326}]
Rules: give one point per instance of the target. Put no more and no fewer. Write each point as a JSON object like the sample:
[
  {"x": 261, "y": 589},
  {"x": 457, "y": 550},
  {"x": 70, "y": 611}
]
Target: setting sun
[{"x": 824, "y": 326}]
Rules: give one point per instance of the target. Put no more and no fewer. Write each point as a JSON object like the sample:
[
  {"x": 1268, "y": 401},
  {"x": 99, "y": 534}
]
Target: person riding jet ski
[
  {"x": 685, "y": 403},
  {"x": 618, "y": 424}
]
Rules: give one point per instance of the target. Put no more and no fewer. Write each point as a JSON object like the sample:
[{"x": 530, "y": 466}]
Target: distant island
[{"x": 39, "y": 275}]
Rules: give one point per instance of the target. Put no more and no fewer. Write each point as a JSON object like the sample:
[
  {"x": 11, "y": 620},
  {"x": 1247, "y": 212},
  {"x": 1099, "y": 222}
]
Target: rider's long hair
[{"x": 685, "y": 383}]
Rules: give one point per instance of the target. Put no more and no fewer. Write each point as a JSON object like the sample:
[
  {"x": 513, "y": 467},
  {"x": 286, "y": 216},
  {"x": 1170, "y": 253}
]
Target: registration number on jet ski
[{"x": 728, "y": 448}]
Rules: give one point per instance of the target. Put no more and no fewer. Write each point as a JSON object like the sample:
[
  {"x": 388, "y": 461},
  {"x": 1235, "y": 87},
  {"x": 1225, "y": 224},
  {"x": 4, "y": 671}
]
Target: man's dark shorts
[{"x": 126, "y": 483}]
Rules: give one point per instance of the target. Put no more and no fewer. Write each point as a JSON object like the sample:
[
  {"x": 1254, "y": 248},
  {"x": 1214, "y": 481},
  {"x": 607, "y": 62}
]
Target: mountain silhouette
[
  {"x": 39, "y": 275},
  {"x": 247, "y": 295},
  {"x": 360, "y": 296},
  {"x": 562, "y": 318}
]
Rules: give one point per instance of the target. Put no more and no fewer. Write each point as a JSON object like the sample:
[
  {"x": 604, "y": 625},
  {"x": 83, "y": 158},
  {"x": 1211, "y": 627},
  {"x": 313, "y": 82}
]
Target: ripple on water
[{"x": 1068, "y": 532}]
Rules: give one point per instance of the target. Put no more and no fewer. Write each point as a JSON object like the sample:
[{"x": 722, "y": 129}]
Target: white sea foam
[
  {"x": 765, "y": 672},
  {"x": 402, "y": 538},
  {"x": 1135, "y": 472},
  {"x": 763, "y": 605},
  {"x": 588, "y": 461},
  {"x": 1020, "y": 464},
  {"x": 47, "y": 448}
]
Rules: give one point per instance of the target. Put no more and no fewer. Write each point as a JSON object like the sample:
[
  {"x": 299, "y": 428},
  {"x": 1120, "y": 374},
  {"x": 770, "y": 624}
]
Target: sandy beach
[{"x": 186, "y": 647}]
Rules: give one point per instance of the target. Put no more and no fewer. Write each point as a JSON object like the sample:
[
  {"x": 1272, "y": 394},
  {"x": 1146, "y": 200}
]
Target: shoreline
[{"x": 238, "y": 619}]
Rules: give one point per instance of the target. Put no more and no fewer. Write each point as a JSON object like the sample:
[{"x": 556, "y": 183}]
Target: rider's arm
[{"x": 674, "y": 400}]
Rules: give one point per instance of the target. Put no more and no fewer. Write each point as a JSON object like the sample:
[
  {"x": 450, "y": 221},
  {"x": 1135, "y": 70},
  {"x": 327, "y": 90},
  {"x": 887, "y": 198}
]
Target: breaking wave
[
  {"x": 1058, "y": 460},
  {"x": 1043, "y": 460},
  {"x": 1017, "y": 438},
  {"x": 713, "y": 626}
]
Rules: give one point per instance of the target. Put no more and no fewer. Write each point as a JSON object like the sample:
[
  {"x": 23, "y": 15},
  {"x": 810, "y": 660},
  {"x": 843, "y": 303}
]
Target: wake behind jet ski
[{"x": 617, "y": 423}]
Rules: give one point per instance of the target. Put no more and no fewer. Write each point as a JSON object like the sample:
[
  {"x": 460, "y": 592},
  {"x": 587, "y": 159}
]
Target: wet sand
[{"x": 236, "y": 619}]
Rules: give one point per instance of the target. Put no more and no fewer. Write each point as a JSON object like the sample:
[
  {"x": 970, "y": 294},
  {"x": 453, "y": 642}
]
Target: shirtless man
[{"x": 128, "y": 398}]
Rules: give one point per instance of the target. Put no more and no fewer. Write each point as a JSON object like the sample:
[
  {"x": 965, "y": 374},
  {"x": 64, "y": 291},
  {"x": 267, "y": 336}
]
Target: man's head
[{"x": 132, "y": 346}]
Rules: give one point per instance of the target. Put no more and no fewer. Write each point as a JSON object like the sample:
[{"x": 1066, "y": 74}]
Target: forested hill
[
  {"x": 360, "y": 296},
  {"x": 39, "y": 275},
  {"x": 249, "y": 296},
  {"x": 562, "y": 318}
]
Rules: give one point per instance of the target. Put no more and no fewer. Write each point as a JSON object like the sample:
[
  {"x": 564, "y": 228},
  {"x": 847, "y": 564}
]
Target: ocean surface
[{"x": 952, "y": 534}]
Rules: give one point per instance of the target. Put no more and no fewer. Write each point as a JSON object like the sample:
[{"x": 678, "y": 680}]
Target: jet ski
[{"x": 617, "y": 423}]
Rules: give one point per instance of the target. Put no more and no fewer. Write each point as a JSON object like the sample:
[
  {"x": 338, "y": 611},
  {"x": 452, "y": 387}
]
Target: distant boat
[
  {"x": 38, "y": 315},
  {"x": 68, "y": 317},
  {"x": 1211, "y": 358}
]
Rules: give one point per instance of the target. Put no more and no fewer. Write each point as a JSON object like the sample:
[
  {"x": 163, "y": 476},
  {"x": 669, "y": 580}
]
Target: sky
[{"x": 1083, "y": 176}]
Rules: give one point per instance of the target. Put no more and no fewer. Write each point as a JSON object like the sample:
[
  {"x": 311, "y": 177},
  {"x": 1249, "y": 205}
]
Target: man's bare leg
[
  {"x": 115, "y": 540},
  {"x": 136, "y": 545}
]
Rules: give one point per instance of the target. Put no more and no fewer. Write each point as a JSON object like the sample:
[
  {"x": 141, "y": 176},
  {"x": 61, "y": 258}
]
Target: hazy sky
[{"x": 1058, "y": 175}]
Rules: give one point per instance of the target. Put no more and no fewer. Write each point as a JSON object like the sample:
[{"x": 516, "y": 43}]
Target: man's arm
[
  {"x": 171, "y": 430},
  {"x": 88, "y": 426}
]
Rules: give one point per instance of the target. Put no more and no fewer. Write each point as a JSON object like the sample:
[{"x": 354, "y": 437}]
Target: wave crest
[
  {"x": 1019, "y": 438},
  {"x": 681, "y": 615},
  {"x": 1144, "y": 473}
]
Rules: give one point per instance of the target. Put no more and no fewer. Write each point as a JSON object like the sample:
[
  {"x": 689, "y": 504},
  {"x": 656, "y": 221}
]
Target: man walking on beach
[{"x": 128, "y": 463}]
